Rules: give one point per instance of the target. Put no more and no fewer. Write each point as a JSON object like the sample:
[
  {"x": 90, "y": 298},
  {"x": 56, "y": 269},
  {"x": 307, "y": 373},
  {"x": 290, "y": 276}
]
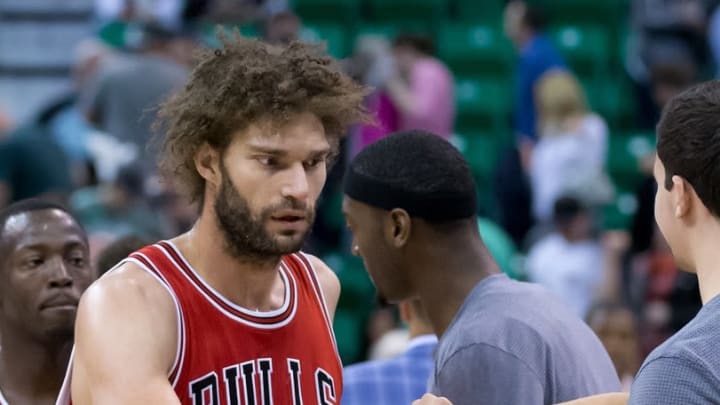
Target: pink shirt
[{"x": 433, "y": 87}]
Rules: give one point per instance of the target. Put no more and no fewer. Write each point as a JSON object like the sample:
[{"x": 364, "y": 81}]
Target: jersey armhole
[
  {"x": 315, "y": 281},
  {"x": 150, "y": 268}
]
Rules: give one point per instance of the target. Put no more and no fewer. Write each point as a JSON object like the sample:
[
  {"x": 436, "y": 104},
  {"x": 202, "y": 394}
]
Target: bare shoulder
[
  {"x": 129, "y": 285},
  {"x": 123, "y": 304},
  {"x": 329, "y": 282},
  {"x": 125, "y": 336}
]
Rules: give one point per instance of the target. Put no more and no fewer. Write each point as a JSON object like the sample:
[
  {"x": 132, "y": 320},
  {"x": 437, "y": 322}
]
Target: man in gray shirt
[
  {"x": 120, "y": 101},
  {"x": 410, "y": 204},
  {"x": 686, "y": 368}
]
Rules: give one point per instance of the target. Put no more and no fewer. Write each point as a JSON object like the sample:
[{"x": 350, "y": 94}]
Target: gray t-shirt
[
  {"x": 125, "y": 94},
  {"x": 686, "y": 368},
  {"x": 514, "y": 343}
]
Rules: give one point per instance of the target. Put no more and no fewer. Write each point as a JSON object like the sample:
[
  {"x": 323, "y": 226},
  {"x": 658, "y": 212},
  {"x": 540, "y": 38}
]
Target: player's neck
[
  {"x": 701, "y": 242},
  {"x": 448, "y": 273},
  {"x": 32, "y": 369},
  {"x": 250, "y": 284}
]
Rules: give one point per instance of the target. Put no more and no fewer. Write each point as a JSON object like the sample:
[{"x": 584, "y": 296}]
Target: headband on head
[{"x": 434, "y": 207}]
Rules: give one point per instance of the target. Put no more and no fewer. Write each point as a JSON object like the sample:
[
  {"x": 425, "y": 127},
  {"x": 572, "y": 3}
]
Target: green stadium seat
[
  {"x": 612, "y": 99},
  {"x": 333, "y": 34},
  {"x": 586, "y": 48},
  {"x": 609, "y": 12},
  {"x": 481, "y": 150},
  {"x": 624, "y": 154},
  {"x": 324, "y": 11},
  {"x": 475, "y": 49},
  {"x": 349, "y": 330},
  {"x": 391, "y": 30},
  {"x": 483, "y": 103},
  {"x": 398, "y": 11},
  {"x": 619, "y": 213},
  {"x": 483, "y": 10}
]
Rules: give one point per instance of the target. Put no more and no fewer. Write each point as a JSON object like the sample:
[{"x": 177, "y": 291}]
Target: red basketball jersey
[{"x": 233, "y": 356}]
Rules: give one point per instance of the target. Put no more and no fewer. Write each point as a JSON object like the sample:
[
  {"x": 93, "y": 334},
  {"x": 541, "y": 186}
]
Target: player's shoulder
[
  {"x": 326, "y": 276},
  {"x": 128, "y": 286}
]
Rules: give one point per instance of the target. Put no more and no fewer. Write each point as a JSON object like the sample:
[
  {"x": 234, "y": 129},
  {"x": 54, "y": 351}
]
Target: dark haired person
[
  {"x": 44, "y": 268},
  {"x": 410, "y": 203},
  {"x": 230, "y": 312},
  {"x": 524, "y": 24},
  {"x": 686, "y": 368}
]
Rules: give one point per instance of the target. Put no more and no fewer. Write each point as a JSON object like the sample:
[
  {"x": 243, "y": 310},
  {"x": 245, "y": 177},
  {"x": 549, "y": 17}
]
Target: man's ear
[
  {"x": 682, "y": 194},
  {"x": 207, "y": 164},
  {"x": 398, "y": 226}
]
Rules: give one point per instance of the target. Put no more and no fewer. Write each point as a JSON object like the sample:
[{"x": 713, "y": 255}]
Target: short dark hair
[
  {"x": 119, "y": 250},
  {"x": 567, "y": 208},
  {"x": 689, "y": 141},
  {"x": 30, "y": 205},
  {"x": 419, "y": 165},
  {"x": 534, "y": 17},
  {"x": 420, "y": 43}
]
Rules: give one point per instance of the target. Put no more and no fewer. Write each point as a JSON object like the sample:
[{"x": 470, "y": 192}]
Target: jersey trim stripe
[
  {"x": 263, "y": 318},
  {"x": 312, "y": 275},
  {"x": 148, "y": 265},
  {"x": 286, "y": 274}
]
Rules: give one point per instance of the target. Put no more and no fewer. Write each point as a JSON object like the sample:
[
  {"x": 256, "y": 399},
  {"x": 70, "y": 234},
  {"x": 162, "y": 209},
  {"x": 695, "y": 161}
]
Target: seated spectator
[
  {"x": 570, "y": 155},
  {"x": 569, "y": 261},
  {"x": 617, "y": 329}
]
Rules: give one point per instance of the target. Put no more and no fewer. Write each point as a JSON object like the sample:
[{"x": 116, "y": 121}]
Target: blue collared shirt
[
  {"x": 537, "y": 57},
  {"x": 396, "y": 381}
]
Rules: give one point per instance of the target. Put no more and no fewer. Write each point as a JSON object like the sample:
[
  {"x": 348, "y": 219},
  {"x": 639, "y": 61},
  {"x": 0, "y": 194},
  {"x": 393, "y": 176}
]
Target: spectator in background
[
  {"x": 569, "y": 261},
  {"x": 119, "y": 208},
  {"x": 32, "y": 164},
  {"x": 372, "y": 64},
  {"x": 663, "y": 31},
  {"x": 524, "y": 25},
  {"x": 422, "y": 90},
  {"x": 119, "y": 99},
  {"x": 399, "y": 380},
  {"x": 617, "y": 329},
  {"x": 282, "y": 28},
  {"x": 570, "y": 154},
  {"x": 118, "y": 250}
]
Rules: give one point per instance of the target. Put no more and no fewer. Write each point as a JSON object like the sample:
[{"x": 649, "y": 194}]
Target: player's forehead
[
  {"x": 298, "y": 132},
  {"x": 47, "y": 228}
]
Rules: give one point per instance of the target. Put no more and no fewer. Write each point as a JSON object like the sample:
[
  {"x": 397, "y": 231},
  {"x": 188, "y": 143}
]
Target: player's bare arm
[
  {"x": 329, "y": 283},
  {"x": 125, "y": 341}
]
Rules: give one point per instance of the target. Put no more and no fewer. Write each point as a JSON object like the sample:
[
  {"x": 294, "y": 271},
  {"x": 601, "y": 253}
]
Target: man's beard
[{"x": 245, "y": 235}]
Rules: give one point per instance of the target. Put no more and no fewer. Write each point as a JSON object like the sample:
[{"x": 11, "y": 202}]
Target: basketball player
[
  {"x": 410, "y": 204},
  {"x": 44, "y": 267},
  {"x": 230, "y": 312}
]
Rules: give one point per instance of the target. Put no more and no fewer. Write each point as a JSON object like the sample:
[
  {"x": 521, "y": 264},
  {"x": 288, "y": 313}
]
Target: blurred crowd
[{"x": 92, "y": 149}]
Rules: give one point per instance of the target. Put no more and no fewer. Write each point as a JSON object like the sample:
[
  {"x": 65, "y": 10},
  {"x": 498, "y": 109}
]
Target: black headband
[{"x": 440, "y": 206}]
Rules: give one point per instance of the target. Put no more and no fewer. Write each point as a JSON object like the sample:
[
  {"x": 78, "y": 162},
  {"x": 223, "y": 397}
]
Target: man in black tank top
[{"x": 44, "y": 268}]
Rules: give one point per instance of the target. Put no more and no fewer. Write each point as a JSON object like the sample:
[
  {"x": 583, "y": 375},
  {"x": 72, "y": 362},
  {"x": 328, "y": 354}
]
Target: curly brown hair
[{"x": 245, "y": 80}]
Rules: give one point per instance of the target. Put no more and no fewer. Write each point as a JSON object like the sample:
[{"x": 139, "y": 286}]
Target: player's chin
[{"x": 290, "y": 243}]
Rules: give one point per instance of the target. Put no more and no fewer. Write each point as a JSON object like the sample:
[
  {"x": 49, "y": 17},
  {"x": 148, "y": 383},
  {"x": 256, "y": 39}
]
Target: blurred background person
[
  {"x": 422, "y": 90},
  {"x": 397, "y": 380},
  {"x": 570, "y": 154},
  {"x": 617, "y": 329}
]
